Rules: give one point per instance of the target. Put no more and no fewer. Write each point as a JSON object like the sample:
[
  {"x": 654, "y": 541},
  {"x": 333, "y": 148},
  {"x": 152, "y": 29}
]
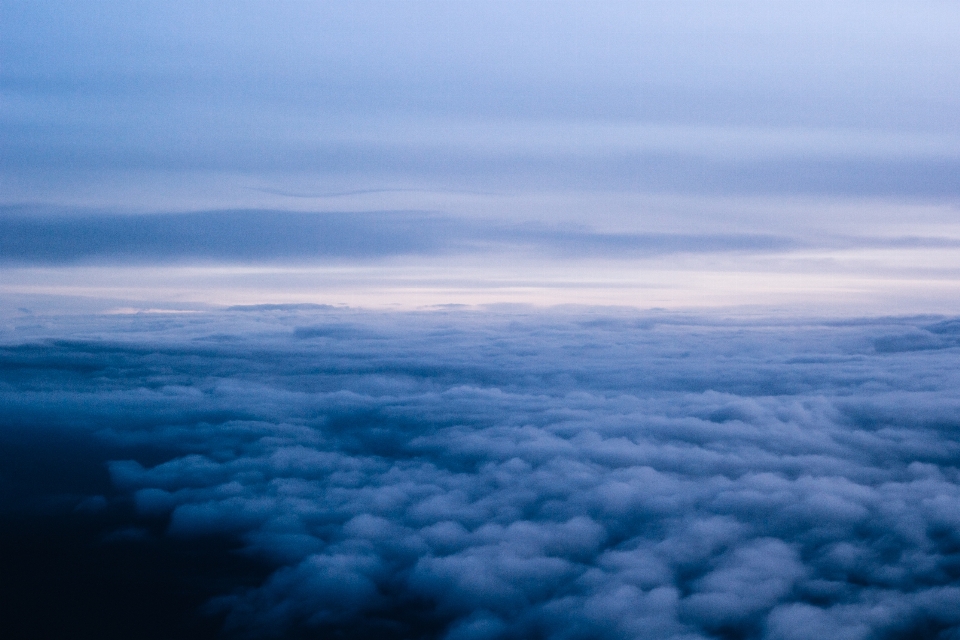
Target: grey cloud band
[{"x": 38, "y": 235}]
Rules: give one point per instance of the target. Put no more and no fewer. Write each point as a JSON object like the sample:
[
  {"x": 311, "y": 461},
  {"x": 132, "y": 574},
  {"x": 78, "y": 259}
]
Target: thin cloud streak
[{"x": 76, "y": 237}]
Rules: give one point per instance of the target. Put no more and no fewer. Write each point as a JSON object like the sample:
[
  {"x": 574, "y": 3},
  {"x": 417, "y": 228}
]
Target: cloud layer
[
  {"x": 40, "y": 235},
  {"x": 519, "y": 475}
]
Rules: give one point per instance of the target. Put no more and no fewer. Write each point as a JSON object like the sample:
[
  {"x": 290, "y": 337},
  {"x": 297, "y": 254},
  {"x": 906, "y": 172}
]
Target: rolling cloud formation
[{"x": 514, "y": 474}]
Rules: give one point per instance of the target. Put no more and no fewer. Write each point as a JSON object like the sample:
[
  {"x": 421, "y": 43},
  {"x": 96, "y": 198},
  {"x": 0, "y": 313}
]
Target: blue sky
[{"x": 830, "y": 127}]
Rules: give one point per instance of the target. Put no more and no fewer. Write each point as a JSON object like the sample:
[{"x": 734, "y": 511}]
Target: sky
[
  {"x": 480, "y": 321},
  {"x": 798, "y": 155}
]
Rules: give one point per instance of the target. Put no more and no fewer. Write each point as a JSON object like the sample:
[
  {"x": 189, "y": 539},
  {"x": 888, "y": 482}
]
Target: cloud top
[{"x": 551, "y": 474}]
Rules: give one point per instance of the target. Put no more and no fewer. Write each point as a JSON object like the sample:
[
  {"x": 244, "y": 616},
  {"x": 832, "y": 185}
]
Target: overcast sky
[{"x": 803, "y": 121}]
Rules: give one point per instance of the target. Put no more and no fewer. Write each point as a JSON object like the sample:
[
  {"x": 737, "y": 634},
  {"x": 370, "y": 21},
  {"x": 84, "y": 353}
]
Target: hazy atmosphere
[
  {"x": 710, "y": 153},
  {"x": 480, "y": 320}
]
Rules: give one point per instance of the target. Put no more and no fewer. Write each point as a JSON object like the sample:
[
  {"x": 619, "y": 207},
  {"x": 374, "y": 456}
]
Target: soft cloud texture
[{"x": 517, "y": 474}]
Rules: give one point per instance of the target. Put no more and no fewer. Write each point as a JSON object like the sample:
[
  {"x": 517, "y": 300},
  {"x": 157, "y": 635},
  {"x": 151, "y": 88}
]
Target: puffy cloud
[{"x": 517, "y": 474}]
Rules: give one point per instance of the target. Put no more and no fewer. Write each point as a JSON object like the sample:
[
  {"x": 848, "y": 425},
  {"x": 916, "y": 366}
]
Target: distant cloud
[
  {"x": 35, "y": 236},
  {"x": 47, "y": 236}
]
